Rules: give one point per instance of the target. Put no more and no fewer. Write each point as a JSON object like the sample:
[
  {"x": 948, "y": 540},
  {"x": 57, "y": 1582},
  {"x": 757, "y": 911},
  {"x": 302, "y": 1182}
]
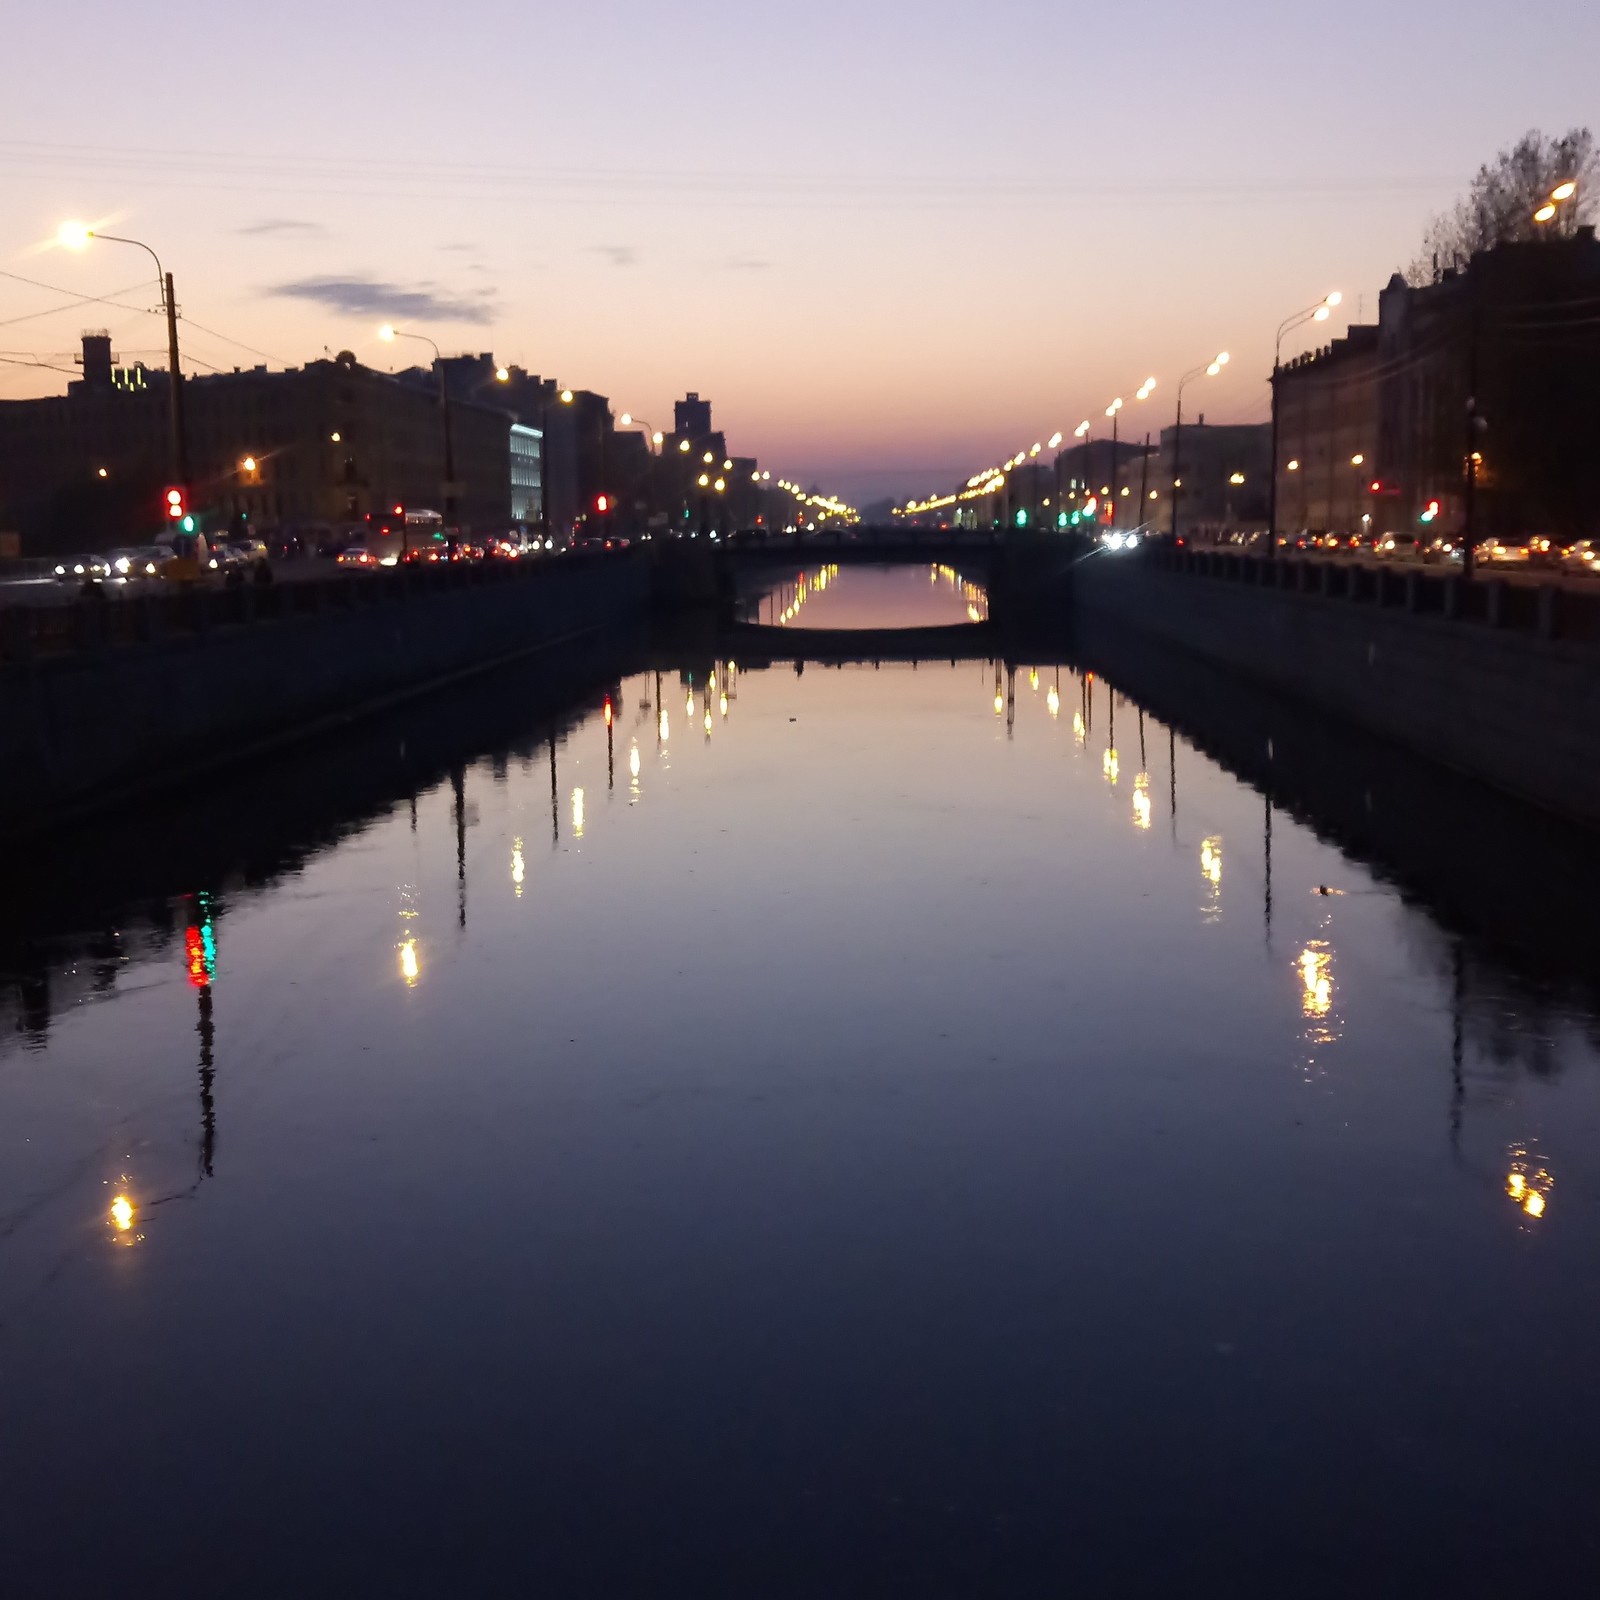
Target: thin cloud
[
  {"x": 746, "y": 264},
  {"x": 370, "y": 297},
  {"x": 285, "y": 225},
  {"x": 619, "y": 255}
]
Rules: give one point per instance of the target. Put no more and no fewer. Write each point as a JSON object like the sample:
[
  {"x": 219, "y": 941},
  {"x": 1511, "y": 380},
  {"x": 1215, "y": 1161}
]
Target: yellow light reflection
[
  {"x": 1110, "y": 766},
  {"x": 1053, "y": 701},
  {"x": 708, "y": 719},
  {"x": 1141, "y": 800},
  {"x": 122, "y": 1213},
  {"x": 1211, "y": 860},
  {"x": 662, "y": 727},
  {"x": 1316, "y": 978},
  {"x": 518, "y": 872},
  {"x": 722, "y": 705},
  {"x": 410, "y": 966},
  {"x": 633, "y": 753},
  {"x": 999, "y": 704},
  {"x": 577, "y": 813},
  {"x": 1033, "y": 677},
  {"x": 688, "y": 703},
  {"x": 1077, "y": 726},
  {"x": 1526, "y": 1185}
]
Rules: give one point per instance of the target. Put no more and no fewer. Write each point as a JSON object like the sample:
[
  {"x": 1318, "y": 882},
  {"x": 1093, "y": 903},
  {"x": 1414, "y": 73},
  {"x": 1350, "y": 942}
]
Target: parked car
[
  {"x": 82, "y": 569},
  {"x": 148, "y": 560},
  {"x": 1504, "y": 552},
  {"x": 1582, "y": 555},
  {"x": 1398, "y": 547}
]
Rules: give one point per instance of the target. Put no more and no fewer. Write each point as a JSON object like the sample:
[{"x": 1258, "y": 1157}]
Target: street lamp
[
  {"x": 1113, "y": 411},
  {"x": 1559, "y": 196},
  {"x": 1320, "y": 312},
  {"x": 1209, "y": 370},
  {"x": 76, "y": 236},
  {"x": 389, "y": 333}
]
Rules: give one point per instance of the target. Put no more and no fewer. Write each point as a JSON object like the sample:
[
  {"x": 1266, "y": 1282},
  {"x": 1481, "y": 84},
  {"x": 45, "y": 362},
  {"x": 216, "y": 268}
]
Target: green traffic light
[{"x": 188, "y": 524}]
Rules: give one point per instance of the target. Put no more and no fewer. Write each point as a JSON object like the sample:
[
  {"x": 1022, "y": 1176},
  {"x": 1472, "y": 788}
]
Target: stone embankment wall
[
  {"x": 99, "y": 701},
  {"x": 1498, "y": 682}
]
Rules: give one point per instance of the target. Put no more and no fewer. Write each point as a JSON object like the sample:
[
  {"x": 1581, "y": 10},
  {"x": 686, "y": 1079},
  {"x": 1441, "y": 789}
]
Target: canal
[{"x": 924, "y": 1128}]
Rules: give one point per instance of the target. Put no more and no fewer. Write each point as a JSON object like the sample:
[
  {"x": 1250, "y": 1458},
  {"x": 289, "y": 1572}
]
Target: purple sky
[{"x": 891, "y": 243}]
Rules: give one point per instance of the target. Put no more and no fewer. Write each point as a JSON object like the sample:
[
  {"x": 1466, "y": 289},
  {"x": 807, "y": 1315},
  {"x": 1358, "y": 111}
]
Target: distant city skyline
[{"x": 887, "y": 254}]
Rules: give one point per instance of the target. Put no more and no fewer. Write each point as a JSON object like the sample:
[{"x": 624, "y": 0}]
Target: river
[{"x": 874, "y": 1129}]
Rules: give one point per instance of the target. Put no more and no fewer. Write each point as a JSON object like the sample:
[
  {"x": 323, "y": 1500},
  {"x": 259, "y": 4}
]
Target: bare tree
[{"x": 1499, "y": 205}]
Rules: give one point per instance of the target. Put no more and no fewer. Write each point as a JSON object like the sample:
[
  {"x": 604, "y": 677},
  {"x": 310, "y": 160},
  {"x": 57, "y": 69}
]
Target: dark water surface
[{"x": 852, "y": 1132}]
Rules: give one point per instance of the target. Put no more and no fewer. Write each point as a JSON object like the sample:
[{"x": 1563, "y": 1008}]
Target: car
[
  {"x": 148, "y": 561},
  {"x": 1442, "y": 547},
  {"x": 82, "y": 569},
  {"x": 1397, "y": 547},
  {"x": 122, "y": 562},
  {"x": 424, "y": 554},
  {"x": 357, "y": 555},
  {"x": 1582, "y": 555},
  {"x": 1504, "y": 552}
]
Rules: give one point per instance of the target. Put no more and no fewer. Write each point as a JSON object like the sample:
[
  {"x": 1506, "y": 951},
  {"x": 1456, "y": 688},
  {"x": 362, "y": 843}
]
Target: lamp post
[
  {"x": 1320, "y": 312},
  {"x": 1209, "y": 370},
  {"x": 388, "y": 333},
  {"x": 1081, "y": 434},
  {"x": 1143, "y": 392},
  {"x": 76, "y": 236}
]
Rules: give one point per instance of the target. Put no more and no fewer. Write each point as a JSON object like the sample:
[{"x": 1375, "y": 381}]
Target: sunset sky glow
[{"x": 891, "y": 244}]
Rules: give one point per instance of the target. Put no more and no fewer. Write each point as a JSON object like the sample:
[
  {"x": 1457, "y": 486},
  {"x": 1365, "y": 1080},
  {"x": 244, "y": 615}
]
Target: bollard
[
  {"x": 1495, "y": 603},
  {"x": 1549, "y": 609},
  {"x": 1413, "y": 592}
]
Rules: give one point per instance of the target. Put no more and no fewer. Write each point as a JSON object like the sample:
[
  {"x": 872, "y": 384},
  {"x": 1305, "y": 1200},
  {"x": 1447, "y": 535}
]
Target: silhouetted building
[
  {"x": 1517, "y": 330},
  {"x": 691, "y": 417},
  {"x": 313, "y": 449},
  {"x": 1328, "y": 436},
  {"x": 1223, "y": 471}
]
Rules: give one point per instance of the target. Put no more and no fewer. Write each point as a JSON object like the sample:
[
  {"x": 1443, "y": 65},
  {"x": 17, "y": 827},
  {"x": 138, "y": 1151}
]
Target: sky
[{"x": 891, "y": 243}]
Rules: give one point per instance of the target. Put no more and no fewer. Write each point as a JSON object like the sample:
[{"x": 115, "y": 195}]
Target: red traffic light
[
  {"x": 602, "y": 502},
  {"x": 1375, "y": 486},
  {"x": 174, "y": 502},
  {"x": 399, "y": 511}
]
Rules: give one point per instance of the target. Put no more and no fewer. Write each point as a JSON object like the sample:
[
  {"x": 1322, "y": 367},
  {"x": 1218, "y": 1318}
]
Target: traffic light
[
  {"x": 176, "y": 508},
  {"x": 1430, "y": 512},
  {"x": 1022, "y": 519},
  {"x": 602, "y": 503}
]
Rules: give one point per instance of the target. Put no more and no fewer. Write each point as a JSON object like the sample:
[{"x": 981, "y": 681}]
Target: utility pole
[
  {"x": 180, "y": 441},
  {"x": 1144, "y": 482}
]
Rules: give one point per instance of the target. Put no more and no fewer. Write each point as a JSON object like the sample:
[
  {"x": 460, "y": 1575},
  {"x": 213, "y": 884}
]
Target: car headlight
[
  {"x": 78, "y": 568},
  {"x": 61, "y": 572},
  {"x": 213, "y": 563}
]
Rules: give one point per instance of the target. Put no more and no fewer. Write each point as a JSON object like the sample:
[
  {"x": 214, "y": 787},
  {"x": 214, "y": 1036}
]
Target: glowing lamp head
[
  {"x": 1545, "y": 212},
  {"x": 502, "y": 375},
  {"x": 626, "y": 419},
  {"x": 566, "y": 397},
  {"x": 386, "y": 333},
  {"x": 1564, "y": 191},
  {"x": 1333, "y": 299},
  {"x": 74, "y": 235}
]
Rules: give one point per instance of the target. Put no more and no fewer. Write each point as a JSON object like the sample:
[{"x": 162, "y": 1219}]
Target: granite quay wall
[
  {"x": 100, "y": 701},
  {"x": 1496, "y": 681}
]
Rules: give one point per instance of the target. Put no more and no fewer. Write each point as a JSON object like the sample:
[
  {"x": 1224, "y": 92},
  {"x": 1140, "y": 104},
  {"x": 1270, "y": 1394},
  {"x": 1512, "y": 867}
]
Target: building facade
[
  {"x": 313, "y": 450},
  {"x": 1328, "y": 437}
]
